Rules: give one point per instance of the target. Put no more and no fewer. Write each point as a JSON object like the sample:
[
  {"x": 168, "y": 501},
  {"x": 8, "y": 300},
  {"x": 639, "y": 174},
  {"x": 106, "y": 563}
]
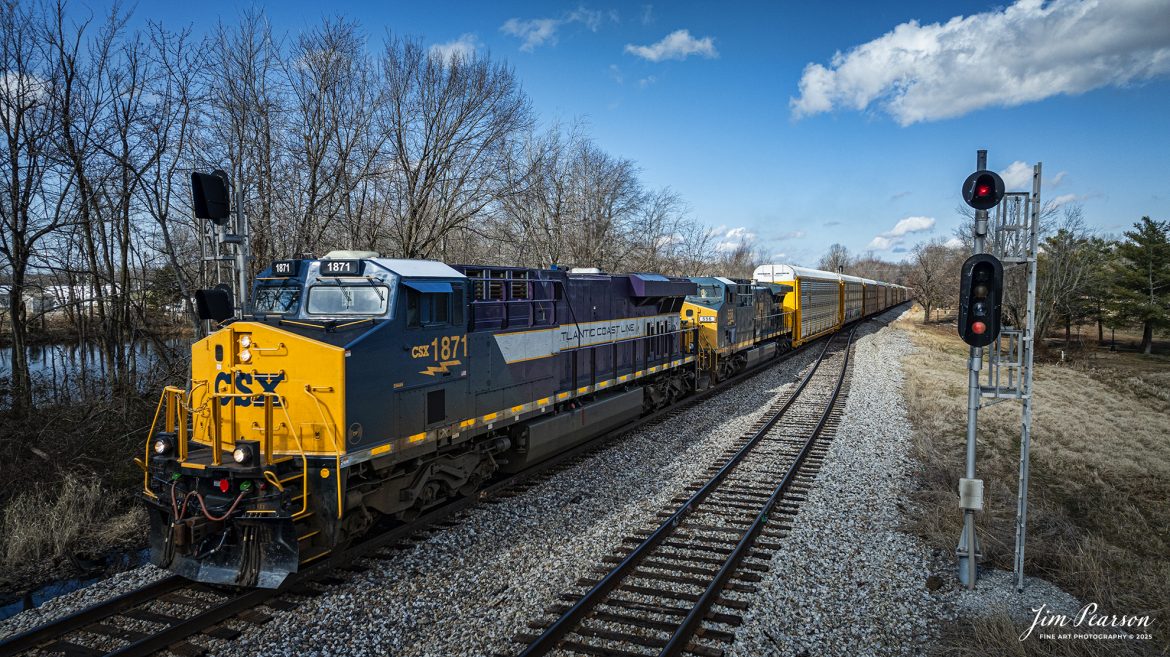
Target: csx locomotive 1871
[{"x": 361, "y": 387}]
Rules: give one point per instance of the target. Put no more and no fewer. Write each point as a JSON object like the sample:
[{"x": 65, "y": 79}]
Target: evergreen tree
[
  {"x": 1142, "y": 277},
  {"x": 1097, "y": 286}
]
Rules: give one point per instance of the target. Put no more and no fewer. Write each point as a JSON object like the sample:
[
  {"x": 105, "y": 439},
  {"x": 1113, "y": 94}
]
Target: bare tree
[
  {"x": 655, "y": 230},
  {"x": 692, "y": 250},
  {"x": 334, "y": 94},
  {"x": 450, "y": 124},
  {"x": 29, "y": 122},
  {"x": 537, "y": 203},
  {"x": 739, "y": 261},
  {"x": 243, "y": 122},
  {"x": 837, "y": 259},
  {"x": 606, "y": 197},
  {"x": 934, "y": 274},
  {"x": 173, "y": 123},
  {"x": 1066, "y": 264}
]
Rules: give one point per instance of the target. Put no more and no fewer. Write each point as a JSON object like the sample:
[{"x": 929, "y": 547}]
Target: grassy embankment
[
  {"x": 69, "y": 489},
  {"x": 1099, "y": 523},
  {"x": 69, "y": 476}
]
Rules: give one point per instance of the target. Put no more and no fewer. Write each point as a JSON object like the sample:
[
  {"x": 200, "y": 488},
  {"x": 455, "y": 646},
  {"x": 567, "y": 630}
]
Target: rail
[{"x": 576, "y": 615}]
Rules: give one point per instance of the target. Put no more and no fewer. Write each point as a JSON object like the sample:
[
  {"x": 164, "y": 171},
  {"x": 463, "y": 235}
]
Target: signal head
[
  {"x": 980, "y": 299},
  {"x": 983, "y": 190},
  {"x": 209, "y": 196}
]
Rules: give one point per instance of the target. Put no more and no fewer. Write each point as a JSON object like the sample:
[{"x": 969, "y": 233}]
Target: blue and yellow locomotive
[{"x": 361, "y": 387}]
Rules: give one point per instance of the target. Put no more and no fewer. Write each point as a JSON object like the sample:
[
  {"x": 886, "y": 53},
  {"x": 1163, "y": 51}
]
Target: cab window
[
  {"x": 281, "y": 299},
  {"x": 348, "y": 299},
  {"x": 428, "y": 308},
  {"x": 710, "y": 292}
]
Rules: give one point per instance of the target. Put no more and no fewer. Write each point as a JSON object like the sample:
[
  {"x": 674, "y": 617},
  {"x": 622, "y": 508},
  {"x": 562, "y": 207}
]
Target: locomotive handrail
[
  {"x": 176, "y": 420},
  {"x": 332, "y": 439},
  {"x": 150, "y": 438},
  {"x": 304, "y": 463}
]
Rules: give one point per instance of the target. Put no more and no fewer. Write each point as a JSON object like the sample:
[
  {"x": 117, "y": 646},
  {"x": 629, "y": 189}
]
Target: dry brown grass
[
  {"x": 77, "y": 516},
  {"x": 1099, "y": 523}
]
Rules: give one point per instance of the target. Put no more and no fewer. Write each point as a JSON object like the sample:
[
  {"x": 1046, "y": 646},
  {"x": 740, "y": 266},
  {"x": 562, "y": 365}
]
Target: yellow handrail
[
  {"x": 267, "y": 448},
  {"x": 176, "y": 420},
  {"x": 332, "y": 440},
  {"x": 304, "y": 459},
  {"x": 149, "y": 440}
]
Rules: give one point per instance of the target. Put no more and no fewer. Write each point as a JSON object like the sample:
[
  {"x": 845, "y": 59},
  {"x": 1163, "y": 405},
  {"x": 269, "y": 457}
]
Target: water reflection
[{"x": 71, "y": 371}]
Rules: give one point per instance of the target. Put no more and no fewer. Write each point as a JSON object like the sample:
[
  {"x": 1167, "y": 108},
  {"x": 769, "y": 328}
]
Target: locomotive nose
[{"x": 249, "y": 463}]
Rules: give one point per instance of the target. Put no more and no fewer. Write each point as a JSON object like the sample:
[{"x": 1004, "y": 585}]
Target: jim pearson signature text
[{"x": 1087, "y": 617}]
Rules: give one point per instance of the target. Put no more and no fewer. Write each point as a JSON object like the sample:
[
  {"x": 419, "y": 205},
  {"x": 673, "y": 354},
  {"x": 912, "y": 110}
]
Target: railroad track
[
  {"x": 132, "y": 624},
  {"x": 670, "y": 589}
]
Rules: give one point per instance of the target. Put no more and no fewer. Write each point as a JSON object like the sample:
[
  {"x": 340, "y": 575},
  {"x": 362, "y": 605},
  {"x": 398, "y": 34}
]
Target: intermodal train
[{"x": 360, "y": 389}]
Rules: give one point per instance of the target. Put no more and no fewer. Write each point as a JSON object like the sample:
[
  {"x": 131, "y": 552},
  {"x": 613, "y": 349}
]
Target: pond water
[
  {"x": 111, "y": 563},
  {"x": 62, "y": 372}
]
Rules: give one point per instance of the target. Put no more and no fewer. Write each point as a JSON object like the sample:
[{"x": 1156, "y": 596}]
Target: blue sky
[{"x": 804, "y": 124}]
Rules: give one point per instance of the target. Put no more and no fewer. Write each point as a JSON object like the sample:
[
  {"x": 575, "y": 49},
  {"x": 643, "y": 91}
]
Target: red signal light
[
  {"x": 223, "y": 484},
  {"x": 978, "y": 328},
  {"x": 983, "y": 190}
]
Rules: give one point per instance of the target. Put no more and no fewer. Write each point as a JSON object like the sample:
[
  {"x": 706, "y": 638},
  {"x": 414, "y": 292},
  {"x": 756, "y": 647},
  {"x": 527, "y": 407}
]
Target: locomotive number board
[
  {"x": 285, "y": 268},
  {"x": 341, "y": 267}
]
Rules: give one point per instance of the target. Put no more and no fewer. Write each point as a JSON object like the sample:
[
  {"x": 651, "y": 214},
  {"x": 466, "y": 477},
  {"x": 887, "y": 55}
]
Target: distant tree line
[{"x": 332, "y": 142}]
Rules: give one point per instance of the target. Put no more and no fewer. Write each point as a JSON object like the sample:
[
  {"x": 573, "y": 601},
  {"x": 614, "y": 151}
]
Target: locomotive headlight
[
  {"x": 242, "y": 454},
  {"x": 162, "y": 446},
  {"x": 245, "y": 355},
  {"x": 246, "y": 341}
]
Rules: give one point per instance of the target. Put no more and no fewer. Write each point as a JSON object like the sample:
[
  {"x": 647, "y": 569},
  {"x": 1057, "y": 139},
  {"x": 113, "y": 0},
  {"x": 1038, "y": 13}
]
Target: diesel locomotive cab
[{"x": 244, "y": 473}]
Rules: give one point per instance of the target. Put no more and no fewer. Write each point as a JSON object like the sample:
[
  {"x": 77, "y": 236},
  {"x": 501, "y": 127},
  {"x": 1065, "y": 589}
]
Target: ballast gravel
[
  {"x": 469, "y": 589},
  {"x": 93, "y": 594},
  {"x": 847, "y": 580}
]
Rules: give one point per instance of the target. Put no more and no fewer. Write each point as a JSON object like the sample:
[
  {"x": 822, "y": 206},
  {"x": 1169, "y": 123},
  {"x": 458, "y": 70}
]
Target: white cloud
[
  {"x": 591, "y": 19},
  {"x": 953, "y": 243},
  {"x": 647, "y": 81},
  {"x": 535, "y": 32},
  {"x": 647, "y": 14},
  {"x": 1064, "y": 199},
  {"x": 22, "y": 88},
  {"x": 616, "y": 73},
  {"x": 1018, "y": 177},
  {"x": 897, "y": 235},
  {"x": 911, "y": 225},
  {"x": 676, "y": 45},
  {"x": 464, "y": 47},
  {"x": 1027, "y": 52},
  {"x": 732, "y": 238},
  {"x": 791, "y": 235}
]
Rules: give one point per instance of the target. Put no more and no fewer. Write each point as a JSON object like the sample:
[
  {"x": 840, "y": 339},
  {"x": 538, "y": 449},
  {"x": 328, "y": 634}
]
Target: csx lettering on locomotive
[{"x": 244, "y": 385}]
